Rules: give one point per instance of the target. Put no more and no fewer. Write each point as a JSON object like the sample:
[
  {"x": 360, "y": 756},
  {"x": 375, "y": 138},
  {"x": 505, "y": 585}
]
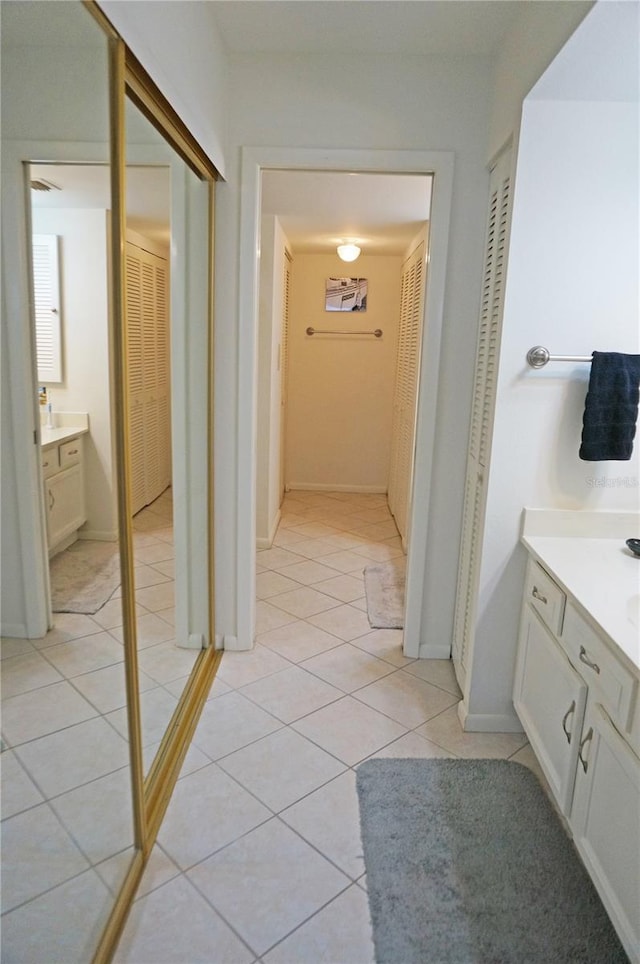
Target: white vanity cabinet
[
  {"x": 62, "y": 470},
  {"x": 577, "y": 699},
  {"x": 550, "y": 698}
]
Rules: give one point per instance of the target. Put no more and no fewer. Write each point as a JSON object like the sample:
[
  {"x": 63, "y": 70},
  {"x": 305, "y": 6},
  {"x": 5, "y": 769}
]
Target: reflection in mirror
[
  {"x": 67, "y": 825},
  {"x": 155, "y": 267}
]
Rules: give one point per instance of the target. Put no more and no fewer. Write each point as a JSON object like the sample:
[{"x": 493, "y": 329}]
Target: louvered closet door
[
  {"x": 163, "y": 374},
  {"x": 405, "y": 396},
  {"x": 284, "y": 367},
  {"x": 483, "y": 406},
  {"x": 148, "y": 375},
  {"x": 135, "y": 378},
  {"x": 396, "y": 421}
]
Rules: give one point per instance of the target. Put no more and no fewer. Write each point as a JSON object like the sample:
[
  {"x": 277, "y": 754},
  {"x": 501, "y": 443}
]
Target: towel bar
[
  {"x": 336, "y": 331},
  {"x": 538, "y": 357}
]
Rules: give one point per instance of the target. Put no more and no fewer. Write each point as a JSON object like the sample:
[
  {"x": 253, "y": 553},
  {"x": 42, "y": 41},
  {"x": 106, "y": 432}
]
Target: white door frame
[{"x": 254, "y": 161}]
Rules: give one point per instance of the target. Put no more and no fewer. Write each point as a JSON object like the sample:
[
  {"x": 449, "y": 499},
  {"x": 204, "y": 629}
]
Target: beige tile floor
[
  {"x": 66, "y": 812},
  {"x": 259, "y": 857}
]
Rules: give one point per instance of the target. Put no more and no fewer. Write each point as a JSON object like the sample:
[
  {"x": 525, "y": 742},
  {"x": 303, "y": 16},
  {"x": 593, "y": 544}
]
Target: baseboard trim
[
  {"x": 325, "y": 487},
  {"x": 195, "y": 641},
  {"x": 429, "y": 651},
  {"x": 99, "y": 535},
  {"x": 262, "y": 543},
  {"x": 16, "y": 630},
  {"x": 488, "y": 722},
  {"x": 232, "y": 644}
]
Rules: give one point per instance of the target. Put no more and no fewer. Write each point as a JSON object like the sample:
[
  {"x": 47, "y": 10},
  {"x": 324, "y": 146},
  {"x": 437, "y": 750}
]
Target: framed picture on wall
[{"x": 346, "y": 294}]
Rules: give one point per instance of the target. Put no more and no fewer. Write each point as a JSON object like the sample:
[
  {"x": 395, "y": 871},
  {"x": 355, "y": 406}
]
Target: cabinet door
[
  {"x": 549, "y": 698},
  {"x": 64, "y": 493},
  {"x": 605, "y": 820}
]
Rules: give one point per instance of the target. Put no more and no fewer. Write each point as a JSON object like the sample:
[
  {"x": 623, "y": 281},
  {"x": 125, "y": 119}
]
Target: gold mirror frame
[{"x": 150, "y": 796}]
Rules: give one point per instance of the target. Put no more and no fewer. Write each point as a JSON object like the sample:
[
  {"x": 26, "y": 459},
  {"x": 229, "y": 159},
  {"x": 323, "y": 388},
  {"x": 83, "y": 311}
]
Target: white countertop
[
  {"x": 601, "y": 574},
  {"x": 53, "y": 436},
  {"x": 67, "y": 425}
]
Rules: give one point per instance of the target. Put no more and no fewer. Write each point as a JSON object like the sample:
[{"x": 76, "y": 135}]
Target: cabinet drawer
[
  {"x": 545, "y": 597},
  {"x": 50, "y": 462},
  {"x": 70, "y": 453},
  {"x": 600, "y": 669}
]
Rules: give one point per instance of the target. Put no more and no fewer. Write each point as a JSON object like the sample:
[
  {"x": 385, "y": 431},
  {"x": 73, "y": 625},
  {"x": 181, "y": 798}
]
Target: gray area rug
[
  {"x": 384, "y": 589},
  {"x": 84, "y": 576},
  {"x": 467, "y": 863}
]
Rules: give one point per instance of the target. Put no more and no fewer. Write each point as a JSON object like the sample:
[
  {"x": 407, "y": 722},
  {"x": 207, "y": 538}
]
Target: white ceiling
[
  {"x": 366, "y": 26},
  {"x": 382, "y": 212},
  {"x": 319, "y": 209},
  {"x": 87, "y": 186},
  {"x": 51, "y": 23}
]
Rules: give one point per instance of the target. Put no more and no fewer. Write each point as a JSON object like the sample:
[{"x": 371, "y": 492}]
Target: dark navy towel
[{"x": 611, "y": 407}]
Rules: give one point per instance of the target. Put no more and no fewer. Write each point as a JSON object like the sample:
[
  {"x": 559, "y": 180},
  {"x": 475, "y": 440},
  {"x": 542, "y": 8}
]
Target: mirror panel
[
  {"x": 157, "y": 271},
  {"x": 73, "y": 745},
  {"x": 67, "y": 830}
]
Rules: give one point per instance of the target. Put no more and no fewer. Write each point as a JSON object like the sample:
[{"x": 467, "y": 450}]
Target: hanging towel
[{"x": 611, "y": 407}]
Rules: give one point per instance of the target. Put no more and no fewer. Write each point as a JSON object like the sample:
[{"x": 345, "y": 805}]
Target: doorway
[
  {"x": 255, "y": 162},
  {"x": 338, "y": 358}
]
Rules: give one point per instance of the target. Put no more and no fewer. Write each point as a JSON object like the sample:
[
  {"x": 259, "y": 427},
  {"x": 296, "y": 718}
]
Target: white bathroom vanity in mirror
[
  {"x": 576, "y": 691},
  {"x": 63, "y": 479}
]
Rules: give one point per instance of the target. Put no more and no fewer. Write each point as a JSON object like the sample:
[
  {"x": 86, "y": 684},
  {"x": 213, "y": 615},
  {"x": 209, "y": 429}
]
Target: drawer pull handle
[
  {"x": 72, "y": 452},
  {"x": 52, "y": 500},
  {"x": 45, "y": 465},
  {"x": 585, "y": 659},
  {"x": 538, "y": 595},
  {"x": 587, "y": 739},
  {"x": 566, "y": 716}
]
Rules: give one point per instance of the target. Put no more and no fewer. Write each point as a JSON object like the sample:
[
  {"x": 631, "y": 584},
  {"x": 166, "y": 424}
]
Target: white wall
[
  {"x": 572, "y": 286},
  {"x": 363, "y": 103},
  {"x": 272, "y": 259},
  {"x": 524, "y": 54},
  {"x": 85, "y": 343},
  {"x": 179, "y": 44},
  {"x": 51, "y": 111},
  {"x": 340, "y": 400}
]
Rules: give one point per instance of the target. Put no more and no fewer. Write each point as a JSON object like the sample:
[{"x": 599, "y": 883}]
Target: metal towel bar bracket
[
  {"x": 334, "y": 331},
  {"x": 538, "y": 357}
]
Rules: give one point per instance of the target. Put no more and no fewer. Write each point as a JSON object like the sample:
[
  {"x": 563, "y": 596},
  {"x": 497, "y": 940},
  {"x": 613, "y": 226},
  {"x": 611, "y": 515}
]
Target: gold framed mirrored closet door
[
  {"x": 175, "y": 383},
  {"x": 98, "y": 710}
]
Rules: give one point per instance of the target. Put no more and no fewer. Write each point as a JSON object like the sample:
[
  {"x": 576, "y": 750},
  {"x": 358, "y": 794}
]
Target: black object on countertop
[{"x": 634, "y": 545}]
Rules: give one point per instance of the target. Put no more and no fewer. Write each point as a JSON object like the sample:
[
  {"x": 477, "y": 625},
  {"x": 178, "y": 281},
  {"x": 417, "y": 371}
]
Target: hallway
[{"x": 259, "y": 856}]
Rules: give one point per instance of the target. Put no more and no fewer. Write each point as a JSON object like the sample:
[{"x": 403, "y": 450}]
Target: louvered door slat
[
  {"x": 149, "y": 359},
  {"x": 483, "y": 407},
  {"x": 404, "y": 407},
  {"x": 284, "y": 366},
  {"x": 136, "y": 447},
  {"x": 162, "y": 325},
  {"x": 148, "y": 374}
]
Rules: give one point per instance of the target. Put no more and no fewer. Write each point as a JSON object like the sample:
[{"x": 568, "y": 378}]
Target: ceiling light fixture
[{"x": 348, "y": 251}]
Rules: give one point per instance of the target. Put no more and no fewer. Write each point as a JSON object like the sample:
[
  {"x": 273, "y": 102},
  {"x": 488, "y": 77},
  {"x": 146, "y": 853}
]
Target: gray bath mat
[
  {"x": 384, "y": 588},
  {"x": 84, "y": 576},
  {"x": 467, "y": 863}
]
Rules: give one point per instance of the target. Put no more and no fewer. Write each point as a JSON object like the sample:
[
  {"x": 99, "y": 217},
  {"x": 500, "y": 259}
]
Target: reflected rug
[
  {"x": 84, "y": 576},
  {"x": 384, "y": 589},
  {"x": 467, "y": 861}
]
